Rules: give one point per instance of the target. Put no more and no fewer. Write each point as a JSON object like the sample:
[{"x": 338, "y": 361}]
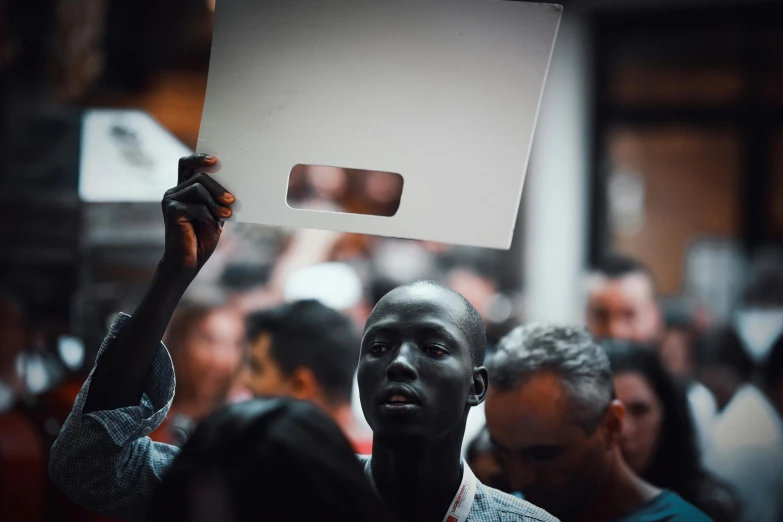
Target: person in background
[
  {"x": 658, "y": 438},
  {"x": 747, "y": 450},
  {"x": 557, "y": 430},
  {"x": 279, "y": 460},
  {"x": 338, "y": 286},
  {"x": 308, "y": 351},
  {"x": 207, "y": 347},
  {"x": 622, "y": 304},
  {"x": 676, "y": 346}
]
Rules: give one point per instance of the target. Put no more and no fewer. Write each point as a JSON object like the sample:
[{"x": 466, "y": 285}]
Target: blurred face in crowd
[
  {"x": 213, "y": 352},
  {"x": 329, "y": 183},
  {"x": 264, "y": 377},
  {"x": 675, "y": 352},
  {"x": 545, "y": 453},
  {"x": 416, "y": 373},
  {"x": 623, "y": 308},
  {"x": 643, "y": 420},
  {"x": 382, "y": 187}
]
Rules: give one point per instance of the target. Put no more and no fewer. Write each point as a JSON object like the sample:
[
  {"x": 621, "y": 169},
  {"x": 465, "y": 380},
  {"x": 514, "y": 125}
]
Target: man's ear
[
  {"x": 304, "y": 386},
  {"x": 480, "y": 386},
  {"x": 613, "y": 423}
]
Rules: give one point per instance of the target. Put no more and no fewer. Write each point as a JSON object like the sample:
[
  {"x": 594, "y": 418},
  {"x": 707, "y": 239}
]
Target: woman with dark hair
[
  {"x": 265, "y": 460},
  {"x": 658, "y": 437}
]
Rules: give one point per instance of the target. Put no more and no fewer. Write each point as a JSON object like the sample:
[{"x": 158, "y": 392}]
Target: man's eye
[
  {"x": 638, "y": 410},
  {"x": 434, "y": 350},
  {"x": 378, "y": 349}
]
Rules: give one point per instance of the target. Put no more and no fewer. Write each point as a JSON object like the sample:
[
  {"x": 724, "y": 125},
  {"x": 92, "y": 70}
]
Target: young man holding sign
[{"x": 419, "y": 375}]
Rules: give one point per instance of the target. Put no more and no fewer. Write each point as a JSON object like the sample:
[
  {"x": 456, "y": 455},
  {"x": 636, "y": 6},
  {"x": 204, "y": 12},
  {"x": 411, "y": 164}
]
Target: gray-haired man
[{"x": 555, "y": 424}]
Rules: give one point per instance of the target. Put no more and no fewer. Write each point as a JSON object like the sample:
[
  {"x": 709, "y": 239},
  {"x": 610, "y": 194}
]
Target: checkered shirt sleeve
[{"x": 104, "y": 460}]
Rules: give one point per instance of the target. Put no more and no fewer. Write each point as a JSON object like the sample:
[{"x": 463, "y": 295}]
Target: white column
[{"x": 556, "y": 189}]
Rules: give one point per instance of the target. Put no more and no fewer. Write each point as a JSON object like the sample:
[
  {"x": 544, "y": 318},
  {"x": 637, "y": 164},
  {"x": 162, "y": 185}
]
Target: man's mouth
[{"x": 398, "y": 401}]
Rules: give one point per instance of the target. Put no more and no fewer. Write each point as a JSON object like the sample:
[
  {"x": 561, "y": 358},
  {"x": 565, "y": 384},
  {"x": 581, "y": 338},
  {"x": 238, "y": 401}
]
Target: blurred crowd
[
  {"x": 654, "y": 407},
  {"x": 230, "y": 339},
  {"x": 702, "y": 401}
]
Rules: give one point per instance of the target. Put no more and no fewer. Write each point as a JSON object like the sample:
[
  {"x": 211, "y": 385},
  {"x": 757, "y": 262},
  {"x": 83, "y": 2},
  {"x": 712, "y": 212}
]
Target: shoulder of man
[
  {"x": 668, "y": 505},
  {"x": 507, "y": 507},
  {"x": 686, "y": 510}
]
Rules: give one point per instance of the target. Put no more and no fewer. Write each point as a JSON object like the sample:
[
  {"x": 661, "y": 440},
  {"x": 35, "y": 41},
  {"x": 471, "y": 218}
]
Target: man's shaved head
[{"x": 471, "y": 324}]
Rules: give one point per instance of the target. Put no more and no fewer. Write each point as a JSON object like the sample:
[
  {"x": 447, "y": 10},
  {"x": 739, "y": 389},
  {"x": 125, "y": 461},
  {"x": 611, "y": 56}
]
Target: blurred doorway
[{"x": 688, "y": 134}]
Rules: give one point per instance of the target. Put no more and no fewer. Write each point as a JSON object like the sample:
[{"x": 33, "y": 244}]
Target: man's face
[
  {"x": 623, "y": 308},
  {"x": 543, "y": 452},
  {"x": 212, "y": 355},
  {"x": 263, "y": 377},
  {"x": 415, "y": 368}
]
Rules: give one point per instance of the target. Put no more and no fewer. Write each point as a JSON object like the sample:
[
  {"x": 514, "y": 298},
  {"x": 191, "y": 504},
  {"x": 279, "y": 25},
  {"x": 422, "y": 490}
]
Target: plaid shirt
[
  {"x": 105, "y": 461},
  {"x": 489, "y": 505}
]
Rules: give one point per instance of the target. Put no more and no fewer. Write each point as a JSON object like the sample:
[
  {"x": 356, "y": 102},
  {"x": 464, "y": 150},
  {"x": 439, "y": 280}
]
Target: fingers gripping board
[{"x": 444, "y": 93}]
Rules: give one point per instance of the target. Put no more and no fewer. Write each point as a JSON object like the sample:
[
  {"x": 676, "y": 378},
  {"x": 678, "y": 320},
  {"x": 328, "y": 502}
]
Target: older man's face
[{"x": 545, "y": 454}]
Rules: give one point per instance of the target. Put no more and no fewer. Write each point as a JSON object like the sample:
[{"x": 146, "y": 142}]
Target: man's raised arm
[{"x": 102, "y": 457}]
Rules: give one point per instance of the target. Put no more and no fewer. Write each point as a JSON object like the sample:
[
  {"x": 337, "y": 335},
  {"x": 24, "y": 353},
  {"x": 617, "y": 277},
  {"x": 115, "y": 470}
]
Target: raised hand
[{"x": 193, "y": 213}]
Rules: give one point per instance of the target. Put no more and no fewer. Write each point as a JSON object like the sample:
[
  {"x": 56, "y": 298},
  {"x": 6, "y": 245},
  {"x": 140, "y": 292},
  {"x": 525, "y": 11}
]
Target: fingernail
[
  {"x": 210, "y": 159},
  {"x": 225, "y": 212},
  {"x": 228, "y": 196}
]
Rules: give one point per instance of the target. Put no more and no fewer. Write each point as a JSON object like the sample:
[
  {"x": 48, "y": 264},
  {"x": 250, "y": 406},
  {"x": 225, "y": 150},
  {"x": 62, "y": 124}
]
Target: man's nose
[{"x": 402, "y": 367}]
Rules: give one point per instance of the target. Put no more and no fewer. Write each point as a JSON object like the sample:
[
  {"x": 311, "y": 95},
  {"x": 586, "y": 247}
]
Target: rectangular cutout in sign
[
  {"x": 353, "y": 191},
  {"x": 443, "y": 92}
]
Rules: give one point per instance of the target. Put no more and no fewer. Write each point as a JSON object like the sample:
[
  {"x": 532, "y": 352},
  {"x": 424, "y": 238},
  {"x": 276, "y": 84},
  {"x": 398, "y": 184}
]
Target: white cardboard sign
[{"x": 443, "y": 92}]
